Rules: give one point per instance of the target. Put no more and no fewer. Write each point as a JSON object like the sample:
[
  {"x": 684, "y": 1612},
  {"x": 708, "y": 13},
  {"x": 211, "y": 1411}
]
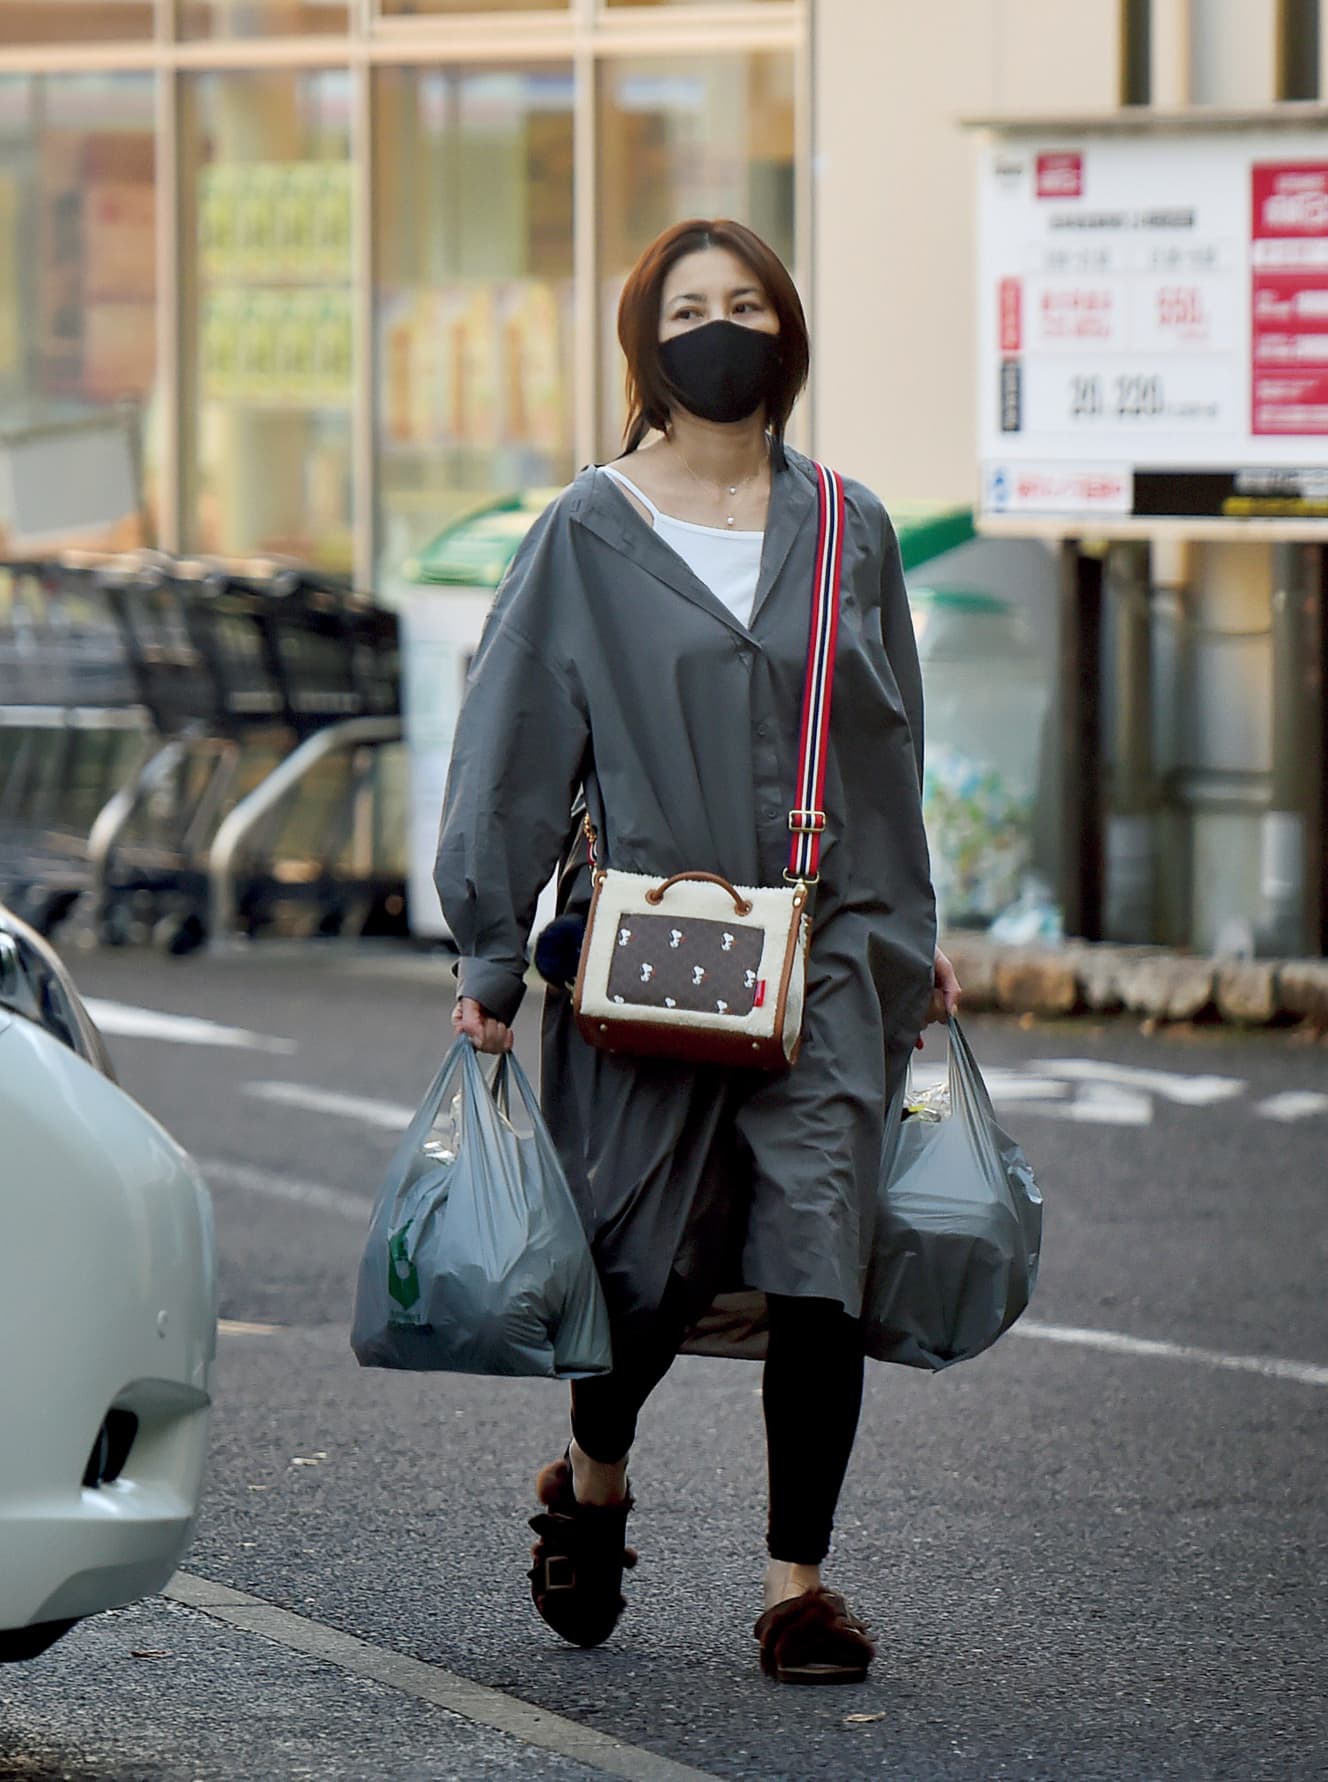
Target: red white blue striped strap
[{"x": 807, "y": 818}]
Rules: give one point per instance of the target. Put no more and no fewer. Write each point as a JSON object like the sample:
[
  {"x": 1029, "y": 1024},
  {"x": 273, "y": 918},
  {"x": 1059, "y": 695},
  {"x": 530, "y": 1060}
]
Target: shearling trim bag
[{"x": 692, "y": 967}]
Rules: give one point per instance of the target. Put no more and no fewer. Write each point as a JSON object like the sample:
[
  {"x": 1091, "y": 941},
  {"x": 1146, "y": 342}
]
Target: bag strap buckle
[{"x": 806, "y": 822}]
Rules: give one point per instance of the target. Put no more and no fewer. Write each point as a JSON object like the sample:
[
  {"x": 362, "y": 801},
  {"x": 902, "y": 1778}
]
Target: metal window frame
[{"x": 585, "y": 34}]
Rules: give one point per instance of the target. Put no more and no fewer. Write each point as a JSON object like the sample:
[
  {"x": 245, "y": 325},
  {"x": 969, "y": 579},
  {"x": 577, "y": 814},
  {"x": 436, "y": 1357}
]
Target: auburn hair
[{"x": 649, "y": 394}]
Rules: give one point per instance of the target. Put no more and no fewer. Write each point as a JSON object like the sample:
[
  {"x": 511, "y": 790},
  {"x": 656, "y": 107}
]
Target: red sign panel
[
  {"x": 1061, "y": 174},
  {"x": 1010, "y": 303},
  {"x": 1289, "y": 298}
]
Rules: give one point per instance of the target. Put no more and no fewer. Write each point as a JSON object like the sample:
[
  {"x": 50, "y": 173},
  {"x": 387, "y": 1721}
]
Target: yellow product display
[
  {"x": 534, "y": 401},
  {"x": 325, "y": 193},
  {"x": 277, "y": 348},
  {"x": 281, "y": 222},
  {"x": 468, "y": 321},
  {"x": 216, "y": 225},
  {"x": 330, "y": 326},
  {"x": 256, "y": 200},
  {"x": 476, "y": 365}
]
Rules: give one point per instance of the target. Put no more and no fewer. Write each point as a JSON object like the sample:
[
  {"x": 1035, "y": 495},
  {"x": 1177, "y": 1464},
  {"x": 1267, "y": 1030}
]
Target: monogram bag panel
[{"x": 718, "y": 977}]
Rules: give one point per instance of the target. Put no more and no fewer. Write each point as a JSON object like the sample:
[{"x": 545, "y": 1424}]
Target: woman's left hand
[{"x": 945, "y": 993}]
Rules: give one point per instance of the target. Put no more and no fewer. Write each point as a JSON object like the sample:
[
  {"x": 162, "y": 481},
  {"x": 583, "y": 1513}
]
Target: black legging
[{"x": 812, "y": 1394}]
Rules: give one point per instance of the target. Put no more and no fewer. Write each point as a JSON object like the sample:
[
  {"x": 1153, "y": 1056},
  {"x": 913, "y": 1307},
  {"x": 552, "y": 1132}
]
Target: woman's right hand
[{"x": 473, "y": 1020}]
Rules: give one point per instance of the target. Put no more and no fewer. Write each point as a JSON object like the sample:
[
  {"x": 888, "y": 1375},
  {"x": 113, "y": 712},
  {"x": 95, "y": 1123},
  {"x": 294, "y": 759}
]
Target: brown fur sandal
[
  {"x": 576, "y": 1580},
  {"x": 814, "y": 1638}
]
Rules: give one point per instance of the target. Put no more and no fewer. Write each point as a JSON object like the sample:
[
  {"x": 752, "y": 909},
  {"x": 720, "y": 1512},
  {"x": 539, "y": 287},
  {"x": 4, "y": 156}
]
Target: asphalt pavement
[{"x": 1097, "y": 1552}]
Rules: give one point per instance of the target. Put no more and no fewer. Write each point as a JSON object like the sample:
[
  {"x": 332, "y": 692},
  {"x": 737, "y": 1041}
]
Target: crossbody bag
[{"x": 691, "y": 967}]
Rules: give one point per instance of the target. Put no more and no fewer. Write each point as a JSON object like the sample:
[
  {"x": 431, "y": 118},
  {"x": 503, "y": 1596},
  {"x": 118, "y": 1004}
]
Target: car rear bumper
[
  {"x": 74, "y": 1553},
  {"x": 108, "y": 1333}
]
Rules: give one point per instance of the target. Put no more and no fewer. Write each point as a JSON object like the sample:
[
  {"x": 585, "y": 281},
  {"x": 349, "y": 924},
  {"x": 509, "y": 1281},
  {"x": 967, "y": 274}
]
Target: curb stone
[
  {"x": 1160, "y": 985},
  {"x": 1168, "y": 987},
  {"x": 1247, "y": 993},
  {"x": 1304, "y": 986},
  {"x": 1035, "y": 983}
]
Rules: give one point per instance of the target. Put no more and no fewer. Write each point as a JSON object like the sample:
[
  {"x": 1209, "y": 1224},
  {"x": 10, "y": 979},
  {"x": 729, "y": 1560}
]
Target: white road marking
[
  {"x": 1002, "y": 1084},
  {"x": 235, "y": 1327},
  {"x": 1293, "y": 1104},
  {"x": 1107, "y": 1095},
  {"x": 1121, "y": 1094},
  {"x": 127, "y": 1022},
  {"x": 276, "y": 1187},
  {"x": 1097, "y": 1104},
  {"x": 1272, "y": 1366},
  {"x": 358, "y": 1208},
  {"x": 482, "y": 1706},
  {"x": 1009, "y": 1085},
  {"x": 1173, "y": 1085},
  {"x": 394, "y": 1115}
]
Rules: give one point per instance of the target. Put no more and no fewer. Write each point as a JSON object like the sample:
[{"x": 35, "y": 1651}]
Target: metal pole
[
  {"x": 1131, "y": 843},
  {"x": 1171, "y": 571},
  {"x": 1081, "y": 741}
]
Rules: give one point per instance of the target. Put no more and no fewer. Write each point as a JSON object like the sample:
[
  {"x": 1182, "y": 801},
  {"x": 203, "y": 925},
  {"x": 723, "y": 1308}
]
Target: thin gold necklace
[{"x": 710, "y": 489}]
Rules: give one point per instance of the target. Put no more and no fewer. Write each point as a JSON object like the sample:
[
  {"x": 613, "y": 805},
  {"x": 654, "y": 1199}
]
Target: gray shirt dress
[{"x": 608, "y": 672}]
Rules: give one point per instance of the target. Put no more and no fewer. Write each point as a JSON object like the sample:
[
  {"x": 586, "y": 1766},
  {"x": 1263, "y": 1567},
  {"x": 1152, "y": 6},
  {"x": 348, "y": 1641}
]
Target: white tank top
[{"x": 729, "y": 563}]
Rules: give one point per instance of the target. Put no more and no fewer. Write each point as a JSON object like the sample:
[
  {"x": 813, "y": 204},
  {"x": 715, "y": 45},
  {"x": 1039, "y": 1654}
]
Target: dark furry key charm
[{"x": 558, "y": 951}]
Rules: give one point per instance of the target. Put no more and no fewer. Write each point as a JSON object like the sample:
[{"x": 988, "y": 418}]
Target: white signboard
[{"x": 1153, "y": 316}]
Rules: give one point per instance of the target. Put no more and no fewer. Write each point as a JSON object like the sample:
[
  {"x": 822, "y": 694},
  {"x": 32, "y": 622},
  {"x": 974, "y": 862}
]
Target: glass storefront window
[
  {"x": 75, "y": 21},
  {"x": 268, "y": 293},
  {"x": 78, "y": 259},
  {"x": 261, "y": 18},
  {"x": 473, "y": 292},
  {"x": 680, "y": 137}
]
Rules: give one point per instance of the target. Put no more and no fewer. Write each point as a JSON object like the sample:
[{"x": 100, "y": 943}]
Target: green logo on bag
[{"x": 403, "y": 1281}]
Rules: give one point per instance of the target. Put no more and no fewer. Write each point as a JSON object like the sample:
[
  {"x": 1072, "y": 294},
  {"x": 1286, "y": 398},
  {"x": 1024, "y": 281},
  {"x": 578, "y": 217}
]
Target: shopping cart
[
  {"x": 252, "y": 672},
  {"x": 71, "y": 731}
]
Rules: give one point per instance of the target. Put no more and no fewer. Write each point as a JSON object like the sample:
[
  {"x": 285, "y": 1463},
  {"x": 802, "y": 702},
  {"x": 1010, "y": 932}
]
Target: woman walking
[{"x": 646, "y": 655}]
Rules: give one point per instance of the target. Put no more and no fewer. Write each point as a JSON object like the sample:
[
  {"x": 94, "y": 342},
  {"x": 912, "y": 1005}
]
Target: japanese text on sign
[{"x": 1153, "y": 309}]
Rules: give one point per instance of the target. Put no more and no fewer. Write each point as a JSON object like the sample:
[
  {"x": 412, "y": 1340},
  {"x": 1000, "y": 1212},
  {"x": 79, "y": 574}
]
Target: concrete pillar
[
  {"x": 1172, "y": 569},
  {"x": 906, "y": 199},
  {"x": 1228, "y": 688},
  {"x": 1234, "y": 52},
  {"x": 1170, "y": 22}
]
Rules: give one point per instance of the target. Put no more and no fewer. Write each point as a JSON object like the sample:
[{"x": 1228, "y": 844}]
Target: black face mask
[{"x": 722, "y": 371}]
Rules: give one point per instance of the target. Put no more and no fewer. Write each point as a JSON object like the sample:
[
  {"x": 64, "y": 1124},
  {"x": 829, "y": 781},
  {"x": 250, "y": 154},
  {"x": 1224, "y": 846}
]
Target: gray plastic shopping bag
[
  {"x": 476, "y": 1260},
  {"x": 959, "y": 1229}
]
